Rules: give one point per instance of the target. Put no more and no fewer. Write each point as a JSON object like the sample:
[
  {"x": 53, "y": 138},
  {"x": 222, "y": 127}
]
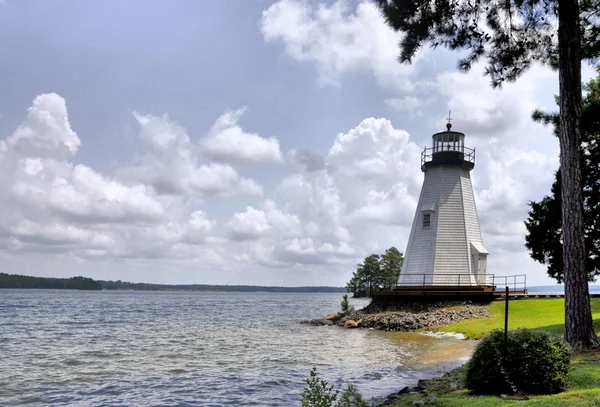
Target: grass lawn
[
  {"x": 584, "y": 389},
  {"x": 537, "y": 313}
]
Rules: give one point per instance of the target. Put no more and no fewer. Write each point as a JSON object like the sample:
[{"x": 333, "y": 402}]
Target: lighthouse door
[{"x": 482, "y": 269}]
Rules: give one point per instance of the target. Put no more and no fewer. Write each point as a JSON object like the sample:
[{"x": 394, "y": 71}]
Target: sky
[{"x": 243, "y": 142}]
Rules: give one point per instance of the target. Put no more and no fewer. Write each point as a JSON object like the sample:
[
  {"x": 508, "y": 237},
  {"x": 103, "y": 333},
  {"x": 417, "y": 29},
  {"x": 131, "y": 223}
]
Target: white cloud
[
  {"x": 329, "y": 210},
  {"x": 58, "y": 234},
  {"x": 481, "y": 111},
  {"x": 46, "y": 133},
  {"x": 410, "y": 105},
  {"x": 338, "y": 40},
  {"x": 269, "y": 221},
  {"x": 227, "y": 141},
  {"x": 323, "y": 217},
  {"x": 173, "y": 165},
  {"x": 251, "y": 224},
  {"x": 52, "y": 205}
]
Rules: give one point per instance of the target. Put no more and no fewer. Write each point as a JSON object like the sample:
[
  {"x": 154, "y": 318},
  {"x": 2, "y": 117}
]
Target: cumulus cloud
[
  {"x": 409, "y": 105},
  {"x": 227, "y": 141},
  {"x": 46, "y": 132},
  {"x": 173, "y": 165},
  {"x": 481, "y": 111},
  {"x": 51, "y": 204},
  {"x": 338, "y": 40},
  {"x": 326, "y": 214}
]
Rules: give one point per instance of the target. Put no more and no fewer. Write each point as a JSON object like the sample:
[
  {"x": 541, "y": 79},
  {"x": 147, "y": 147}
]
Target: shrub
[
  {"x": 535, "y": 363},
  {"x": 317, "y": 392},
  {"x": 351, "y": 397},
  {"x": 347, "y": 309}
]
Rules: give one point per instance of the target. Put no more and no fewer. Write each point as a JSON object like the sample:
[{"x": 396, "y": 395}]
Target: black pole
[{"x": 505, "y": 324}]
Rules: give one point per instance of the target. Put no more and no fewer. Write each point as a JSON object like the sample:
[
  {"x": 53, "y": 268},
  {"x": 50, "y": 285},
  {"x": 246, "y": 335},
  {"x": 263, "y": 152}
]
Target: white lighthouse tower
[{"x": 445, "y": 247}]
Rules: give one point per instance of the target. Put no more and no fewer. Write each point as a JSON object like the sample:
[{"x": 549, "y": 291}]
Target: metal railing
[
  {"x": 468, "y": 154},
  {"x": 517, "y": 282},
  {"x": 514, "y": 283}
]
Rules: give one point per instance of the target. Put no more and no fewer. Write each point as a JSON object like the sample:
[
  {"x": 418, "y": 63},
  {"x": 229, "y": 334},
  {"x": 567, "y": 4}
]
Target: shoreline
[
  {"x": 427, "y": 390},
  {"x": 420, "y": 318},
  {"x": 406, "y": 317}
]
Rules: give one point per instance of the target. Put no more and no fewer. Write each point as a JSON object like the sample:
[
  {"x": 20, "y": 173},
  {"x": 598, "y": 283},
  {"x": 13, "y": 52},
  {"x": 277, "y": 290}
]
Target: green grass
[
  {"x": 584, "y": 390},
  {"x": 537, "y": 314}
]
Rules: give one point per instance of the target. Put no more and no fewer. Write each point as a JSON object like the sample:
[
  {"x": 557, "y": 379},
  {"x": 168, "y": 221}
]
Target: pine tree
[
  {"x": 544, "y": 223},
  {"x": 512, "y": 35}
]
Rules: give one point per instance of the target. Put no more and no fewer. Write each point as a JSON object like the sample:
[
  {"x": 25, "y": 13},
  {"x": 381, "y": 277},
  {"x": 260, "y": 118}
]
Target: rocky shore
[
  {"x": 407, "y": 316},
  {"x": 412, "y": 316},
  {"x": 427, "y": 390}
]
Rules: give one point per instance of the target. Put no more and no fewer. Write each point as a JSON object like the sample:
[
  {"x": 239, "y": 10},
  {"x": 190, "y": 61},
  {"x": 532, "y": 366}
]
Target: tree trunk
[{"x": 579, "y": 331}]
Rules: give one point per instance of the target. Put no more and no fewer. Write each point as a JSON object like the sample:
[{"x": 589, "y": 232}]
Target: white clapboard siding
[
  {"x": 421, "y": 242},
  {"x": 471, "y": 220},
  {"x": 443, "y": 251},
  {"x": 452, "y": 256}
]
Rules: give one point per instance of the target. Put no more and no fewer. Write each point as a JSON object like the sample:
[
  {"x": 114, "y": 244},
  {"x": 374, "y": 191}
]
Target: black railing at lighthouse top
[{"x": 467, "y": 154}]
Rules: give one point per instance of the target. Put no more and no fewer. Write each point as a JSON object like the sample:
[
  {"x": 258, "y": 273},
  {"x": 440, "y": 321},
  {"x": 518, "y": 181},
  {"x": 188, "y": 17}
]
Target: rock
[
  {"x": 332, "y": 317},
  {"x": 405, "y": 390},
  {"x": 416, "y": 403},
  {"x": 317, "y": 322},
  {"x": 422, "y": 384},
  {"x": 350, "y": 324},
  {"x": 453, "y": 386},
  {"x": 431, "y": 400}
]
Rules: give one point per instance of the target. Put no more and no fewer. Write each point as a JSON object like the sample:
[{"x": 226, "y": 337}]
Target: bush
[
  {"x": 536, "y": 363},
  {"x": 347, "y": 308},
  {"x": 318, "y": 393},
  {"x": 351, "y": 397}
]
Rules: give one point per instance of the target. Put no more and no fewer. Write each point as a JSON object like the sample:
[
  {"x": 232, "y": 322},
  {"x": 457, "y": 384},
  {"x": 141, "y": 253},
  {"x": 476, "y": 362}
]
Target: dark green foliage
[
  {"x": 19, "y": 281},
  {"x": 544, "y": 222},
  {"x": 318, "y": 393},
  {"x": 351, "y": 397},
  {"x": 347, "y": 309},
  {"x": 73, "y": 283},
  {"x": 124, "y": 285},
  {"x": 376, "y": 272},
  {"x": 510, "y": 34},
  {"x": 536, "y": 363}
]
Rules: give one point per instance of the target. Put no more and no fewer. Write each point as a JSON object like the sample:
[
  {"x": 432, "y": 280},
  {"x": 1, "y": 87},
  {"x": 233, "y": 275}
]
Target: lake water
[{"x": 136, "y": 348}]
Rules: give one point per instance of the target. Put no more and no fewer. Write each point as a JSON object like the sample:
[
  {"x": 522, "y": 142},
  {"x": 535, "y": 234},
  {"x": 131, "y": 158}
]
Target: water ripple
[{"x": 123, "y": 348}]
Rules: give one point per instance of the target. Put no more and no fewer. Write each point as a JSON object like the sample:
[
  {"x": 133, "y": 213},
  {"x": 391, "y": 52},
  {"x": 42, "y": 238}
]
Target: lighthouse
[{"x": 445, "y": 246}]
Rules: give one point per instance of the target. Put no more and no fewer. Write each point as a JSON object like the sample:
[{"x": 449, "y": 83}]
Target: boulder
[
  {"x": 422, "y": 384},
  {"x": 350, "y": 324},
  {"x": 333, "y": 318},
  {"x": 317, "y": 322},
  {"x": 417, "y": 403}
]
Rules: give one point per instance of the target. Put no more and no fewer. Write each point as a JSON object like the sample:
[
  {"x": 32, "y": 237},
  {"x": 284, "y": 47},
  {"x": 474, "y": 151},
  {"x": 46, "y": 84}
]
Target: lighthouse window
[{"x": 426, "y": 220}]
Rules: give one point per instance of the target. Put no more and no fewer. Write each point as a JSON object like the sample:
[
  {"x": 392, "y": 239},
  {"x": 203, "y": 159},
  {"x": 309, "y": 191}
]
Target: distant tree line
[
  {"x": 73, "y": 283},
  {"x": 84, "y": 283},
  {"x": 123, "y": 285},
  {"x": 376, "y": 273}
]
